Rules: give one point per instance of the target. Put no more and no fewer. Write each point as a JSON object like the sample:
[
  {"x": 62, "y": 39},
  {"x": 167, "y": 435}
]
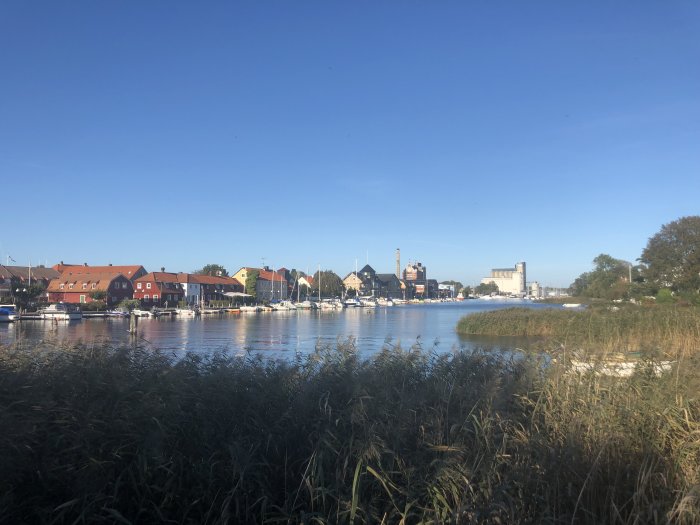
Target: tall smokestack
[{"x": 398, "y": 263}]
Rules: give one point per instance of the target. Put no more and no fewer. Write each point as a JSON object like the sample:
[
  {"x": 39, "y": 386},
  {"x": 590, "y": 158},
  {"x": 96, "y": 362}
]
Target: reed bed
[
  {"x": 650, "y": 330},
  {"x": 130, "y": 435}
]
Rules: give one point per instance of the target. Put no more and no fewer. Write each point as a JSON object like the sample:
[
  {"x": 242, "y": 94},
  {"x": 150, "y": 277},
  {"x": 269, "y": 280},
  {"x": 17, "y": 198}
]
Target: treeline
[{"x": 668, "y": 268}]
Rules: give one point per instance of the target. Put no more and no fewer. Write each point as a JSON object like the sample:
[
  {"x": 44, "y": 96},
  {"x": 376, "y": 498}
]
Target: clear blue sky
[{"x": 471, "y": 135}]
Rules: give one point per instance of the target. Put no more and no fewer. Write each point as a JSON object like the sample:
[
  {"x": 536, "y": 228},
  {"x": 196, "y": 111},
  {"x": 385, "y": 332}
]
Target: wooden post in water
[{"x": 133, "y": 323}]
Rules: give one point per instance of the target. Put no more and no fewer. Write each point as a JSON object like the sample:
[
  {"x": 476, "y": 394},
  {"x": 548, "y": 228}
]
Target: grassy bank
[
  {"x": 655, "y": 330},
  {"x": 129, "y": 435}
]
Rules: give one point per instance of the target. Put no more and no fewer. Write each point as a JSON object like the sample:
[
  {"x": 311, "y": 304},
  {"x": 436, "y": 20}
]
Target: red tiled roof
[
  {"x": 161, "y": 277},
  {"x": 213, "y": 279},
  {"x": 271, "y": 276},
  {"x": 128, "y": 270},
  {"x": 101, "y": 281}
]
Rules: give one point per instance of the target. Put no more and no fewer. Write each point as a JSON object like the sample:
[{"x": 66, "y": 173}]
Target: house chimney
[
  {"x": 162, "y": 268},
  {"x": 84, "y": 264}
]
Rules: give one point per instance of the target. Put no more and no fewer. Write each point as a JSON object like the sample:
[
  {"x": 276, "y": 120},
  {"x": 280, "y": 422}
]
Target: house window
[
  {"x": 138, "y": 286},
  {"x": 94, "y": 285},
  {"x": 146, "y": 298},
  {"x": 148, "y": 285},
  {"x": 123, "y": 286},
  {"x": 61, "y": 286},
  {"x": 82, "y": 299},
  {"x": 70, "y": 286},
  {"x": 84, "y": 286},
  {"x": 155, "y": 297}
]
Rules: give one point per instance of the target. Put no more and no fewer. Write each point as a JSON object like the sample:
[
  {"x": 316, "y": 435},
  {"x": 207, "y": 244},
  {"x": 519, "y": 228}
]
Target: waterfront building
[
  {"x": 131, "y": 272},
  {"x": 415, "y": 277},
  {"x": 389, "y": 286},
  {"x": 509, "y": 280},
  {"x": 270, "y": 285},
  {"x": 534, "y": 290},
  {"x": 13, "y": 277},
  {"x": 80, "y": 288},
  {"x": 159, "y": 289},
  {"x": 354, "y": 281},
  {"x": 199, "y": 288}
]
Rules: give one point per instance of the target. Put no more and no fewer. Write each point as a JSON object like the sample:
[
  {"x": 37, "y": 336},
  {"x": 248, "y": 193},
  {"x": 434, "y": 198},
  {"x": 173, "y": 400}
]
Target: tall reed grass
[
  {"x": 657, "y": 330},
  {"x": 131, "y": 435}
]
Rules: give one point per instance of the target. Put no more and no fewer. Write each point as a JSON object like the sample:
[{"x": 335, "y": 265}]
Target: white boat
[
  {"x": 352, "y": 302},
  {"x": 8, "y": 313},
  {"x": 382, "y": 301},
  {"x": 330, "y": 305},
  {"x": 210, "y": 311},
  {"x": 249, "y": 309},
  {"x": 141, "y": 313},
  {"x": 368, "y": 302},
  {"x": 306, "y": 305},
  {"x": 283, "y": 305},
  {"x": 186, "y": 312},
  {"x": 60, "y": 312}
]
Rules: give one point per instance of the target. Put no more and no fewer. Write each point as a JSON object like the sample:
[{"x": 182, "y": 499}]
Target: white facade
[
  {"x": 508, "y": 280},
  {"x": 193, "y": 292}
]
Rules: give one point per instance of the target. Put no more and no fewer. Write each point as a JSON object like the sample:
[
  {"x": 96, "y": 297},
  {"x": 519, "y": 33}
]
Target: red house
[
  {"x": 79, "y": 288},
  {"x": 159, "y": 289}
]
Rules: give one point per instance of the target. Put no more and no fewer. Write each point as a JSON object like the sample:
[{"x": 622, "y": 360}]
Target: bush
[{"x": 665, "y": 296}]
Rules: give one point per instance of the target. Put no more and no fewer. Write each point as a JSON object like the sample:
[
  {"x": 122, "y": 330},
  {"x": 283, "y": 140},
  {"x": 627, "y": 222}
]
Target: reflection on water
[{"x": 432, "y": 326}]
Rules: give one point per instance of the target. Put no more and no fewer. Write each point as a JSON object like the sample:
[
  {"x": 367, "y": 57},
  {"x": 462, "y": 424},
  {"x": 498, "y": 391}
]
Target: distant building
[
  {"x": 368, "y": 282},
  {"x": 534, "y": 290},
  {"x": 508, "y": 280},
  {"x": 417, "y": 284}
]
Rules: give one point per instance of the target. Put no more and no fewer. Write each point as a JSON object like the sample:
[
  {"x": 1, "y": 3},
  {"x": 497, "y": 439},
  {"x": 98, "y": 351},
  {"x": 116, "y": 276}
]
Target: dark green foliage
[
  {"x": 486, "y": 288},
  {"x": 251, "y": 282},
  {"x": 331, "y": 285},
  {"x": 672, "y": 256},
  {"x": 215, "y": 270},
  {"x": 609, "y": 280},
  {"x": 133, "y": 436}
]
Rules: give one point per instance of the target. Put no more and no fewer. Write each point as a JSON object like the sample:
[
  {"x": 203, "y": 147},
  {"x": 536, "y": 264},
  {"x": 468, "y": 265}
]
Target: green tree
[
  {"x": 98, "y": 295},
  {"x": 331, "y": 284},
  {"x": 609, "y": 279},
  {"x": 250, "y": 283},
  {"x": 466, "y": 291},
  {"x": 25, "y": 295},
  {"x": 215, "y": 270},
  {"x": 486, "y": 288},
  {"x": 672, "y": 256}
]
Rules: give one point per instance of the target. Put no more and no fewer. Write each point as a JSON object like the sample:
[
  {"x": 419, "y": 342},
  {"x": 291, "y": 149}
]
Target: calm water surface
[{"x": 280, "y": 334}]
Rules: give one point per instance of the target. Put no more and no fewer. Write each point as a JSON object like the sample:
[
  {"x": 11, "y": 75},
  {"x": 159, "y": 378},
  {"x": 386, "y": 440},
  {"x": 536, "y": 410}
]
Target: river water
[{"x": 280, "y": 334}]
